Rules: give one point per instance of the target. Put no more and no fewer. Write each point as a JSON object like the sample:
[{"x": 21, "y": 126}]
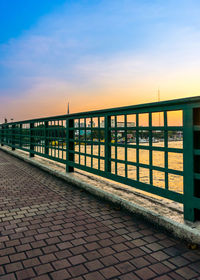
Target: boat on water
[{"x": 143, "y": 140}]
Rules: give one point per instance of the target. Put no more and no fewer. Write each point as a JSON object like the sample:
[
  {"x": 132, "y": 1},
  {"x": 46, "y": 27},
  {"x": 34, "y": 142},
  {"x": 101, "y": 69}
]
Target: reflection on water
[{"x": 175, "y": 162}]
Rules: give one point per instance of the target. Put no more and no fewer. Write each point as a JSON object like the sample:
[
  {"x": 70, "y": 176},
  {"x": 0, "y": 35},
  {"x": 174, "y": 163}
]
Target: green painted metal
[
  {"x": 46, "y": 144},
  {"x": 107, "y": 144},
  {"x": 123, "y": 144},
  {"x": 31, "y": 136},
  {"x": 13, "y": 137},
  {"x": 188, "y": 165},
  {"x": 2, "y": 135},
  {"x": 70, "y": 144}
]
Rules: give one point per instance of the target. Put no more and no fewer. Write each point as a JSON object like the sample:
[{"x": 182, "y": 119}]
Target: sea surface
[{"x": 175, "y": 162}]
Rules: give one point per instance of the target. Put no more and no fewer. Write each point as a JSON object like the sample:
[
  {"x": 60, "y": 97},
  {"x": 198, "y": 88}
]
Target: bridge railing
[{"x": 153, "y": 147}]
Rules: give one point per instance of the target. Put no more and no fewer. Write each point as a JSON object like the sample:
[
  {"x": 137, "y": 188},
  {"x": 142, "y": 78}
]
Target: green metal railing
[{"x": 153, "y": 147}]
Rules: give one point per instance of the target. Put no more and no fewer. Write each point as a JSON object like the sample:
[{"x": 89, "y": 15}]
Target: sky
[{"x": 95, "y": 54}]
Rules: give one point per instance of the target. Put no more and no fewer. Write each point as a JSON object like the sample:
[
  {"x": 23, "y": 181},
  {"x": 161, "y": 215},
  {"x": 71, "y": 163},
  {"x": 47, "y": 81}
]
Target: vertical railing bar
[
  {"x": 150, "y": 150},
  {"x": 67, "y": 144},
  {"x": 54, "y": 137},
  {"x": 13, "y": 137},
  {"x": 20, "y": 135},
  {"x": 107, "y": 143},
  {"x": 79, "y": 139},
  {"x": 116, "y": 144},
  {"x": 166, "y": 146},
  {"x": 46, "y": 142},
  {"x": 2, "y": 135},
  {"x": 49, "y": 132},
  {"x": 99, "y": 140},
  {"x": 85, "y": 139},
  {"x": 137, "y": 146},
  {"x": 126, "y": 157},
  {"x": 7, "y": 134},
  {"x": 91, "y": 138},
  {"x": 70, "y": 145},
  {"x": 31, "y": 140},
  {"x": 188, "y": 161},
  {"x": 62, "y": 136},
  {"x": 56, "y": 142},
  {"x": 58, "y": 136}
]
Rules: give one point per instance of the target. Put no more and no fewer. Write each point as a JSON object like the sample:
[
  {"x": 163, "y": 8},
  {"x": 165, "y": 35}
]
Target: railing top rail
[{"x": 154, "y": 105}]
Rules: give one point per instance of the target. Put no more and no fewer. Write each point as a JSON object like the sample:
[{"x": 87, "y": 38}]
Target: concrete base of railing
[{"x": 189, "y": 232}]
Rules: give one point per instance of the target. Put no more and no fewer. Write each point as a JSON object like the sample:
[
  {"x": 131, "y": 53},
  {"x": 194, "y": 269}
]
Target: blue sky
[{"x": 108, "y": 52}]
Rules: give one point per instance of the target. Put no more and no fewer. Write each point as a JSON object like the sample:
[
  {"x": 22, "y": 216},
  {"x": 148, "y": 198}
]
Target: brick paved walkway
[{"x": 49, "y": 230}]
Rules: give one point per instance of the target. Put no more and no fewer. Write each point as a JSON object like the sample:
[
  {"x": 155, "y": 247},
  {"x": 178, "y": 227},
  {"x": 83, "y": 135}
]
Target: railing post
[
  {"x": 13, "y": 137},
  {"x": 188, "y": 159},
  {"x": 2, "y": 135},
  {"x": 31, "y": 154},
  {"x": 107, "y": 144},
  {"x": 46, "y": 141},
  {"x": 20, "y": 135},
  {"x": 9, "y": 131},
  {"x": 69, "y": 144},
  {"x": 5, "y": 132}
]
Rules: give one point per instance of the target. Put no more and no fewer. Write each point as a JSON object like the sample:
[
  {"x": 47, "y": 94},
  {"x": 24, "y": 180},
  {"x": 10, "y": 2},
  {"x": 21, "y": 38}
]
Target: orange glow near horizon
[{"x": 47, "y": 109}]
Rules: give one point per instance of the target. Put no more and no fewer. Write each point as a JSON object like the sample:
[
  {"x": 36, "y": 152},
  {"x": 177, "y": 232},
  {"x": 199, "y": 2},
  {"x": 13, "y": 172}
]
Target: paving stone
[
  {"x": 78, "y": 250},
  {"x": 18, "y": 257},
  {"x": 12, "y": 267},
  {"x": 160, "y": 256},
  {"x": 63, "y": 254},
  {"x": 159, "y": 268},
  {"x": 42, "y": 277},
  {"x": 176, "y": 276},
  {"x": 187, "y": 273},
  {"x": 77, "y": 270},
  {"x": 77, "y": 259},
  {"x": 110, "y": 272},
  {"x": 25, "y": 274},
  {"x": 47, "y": 258},
  {"x": 60, "y": 275},
  {"x": 4, "y": 260},
  {"x": 94, "y": 275},
  {"x": 145, "y": 273},
  {"x": 34, "y": 253},
  {"x": 163, "y": 277},
  {"x": 22, "y": 248},
  {"x": 2, "y": 270},
  {"x": 129, "y": 276},
  {"x": 44, "y": 268},
  {"x": 92, "y": 255},
  {"x": 106, "y": 251},
  {"x": 31, "y": 262},
  {"x": 94, "y": 265},
  {"x": 59, "y": 264},
  {"x": 10, "y": 276},
  {"x": 125, "y": 267},
  {"x": 123, "y": 256}
]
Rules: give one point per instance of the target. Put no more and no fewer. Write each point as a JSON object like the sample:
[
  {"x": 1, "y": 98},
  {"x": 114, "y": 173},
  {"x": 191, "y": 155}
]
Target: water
[{"x": 175, "y": 162}]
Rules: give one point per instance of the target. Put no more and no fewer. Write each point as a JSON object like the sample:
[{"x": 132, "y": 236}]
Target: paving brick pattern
[{"x": 50, "y": 230}]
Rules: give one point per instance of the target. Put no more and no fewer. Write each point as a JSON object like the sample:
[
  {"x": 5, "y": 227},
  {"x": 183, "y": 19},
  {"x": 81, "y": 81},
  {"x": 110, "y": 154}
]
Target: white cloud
[{"x": 85, "y": 49}]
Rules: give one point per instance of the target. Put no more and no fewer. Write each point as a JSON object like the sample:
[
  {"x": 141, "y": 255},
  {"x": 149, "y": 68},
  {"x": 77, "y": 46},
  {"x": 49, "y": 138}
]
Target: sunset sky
[{"x": 95, "y": 54}]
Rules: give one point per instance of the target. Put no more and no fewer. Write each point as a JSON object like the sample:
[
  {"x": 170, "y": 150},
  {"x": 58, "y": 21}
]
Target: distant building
[
  {"x": 91, "y": 124},
  {"x": 119, "y": 124}
]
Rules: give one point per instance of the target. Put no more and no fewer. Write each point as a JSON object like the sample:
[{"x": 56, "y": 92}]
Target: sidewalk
[{"x": 51, "y": 230}]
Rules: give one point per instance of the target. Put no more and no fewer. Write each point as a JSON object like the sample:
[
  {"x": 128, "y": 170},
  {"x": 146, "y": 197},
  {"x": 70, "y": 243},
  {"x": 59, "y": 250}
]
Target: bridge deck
[{"x": 50, "y": 230}]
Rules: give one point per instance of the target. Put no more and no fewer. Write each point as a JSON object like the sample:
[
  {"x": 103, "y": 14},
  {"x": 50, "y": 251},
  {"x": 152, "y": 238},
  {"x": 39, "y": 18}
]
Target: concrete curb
[{"x": 181, "y": 231}]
